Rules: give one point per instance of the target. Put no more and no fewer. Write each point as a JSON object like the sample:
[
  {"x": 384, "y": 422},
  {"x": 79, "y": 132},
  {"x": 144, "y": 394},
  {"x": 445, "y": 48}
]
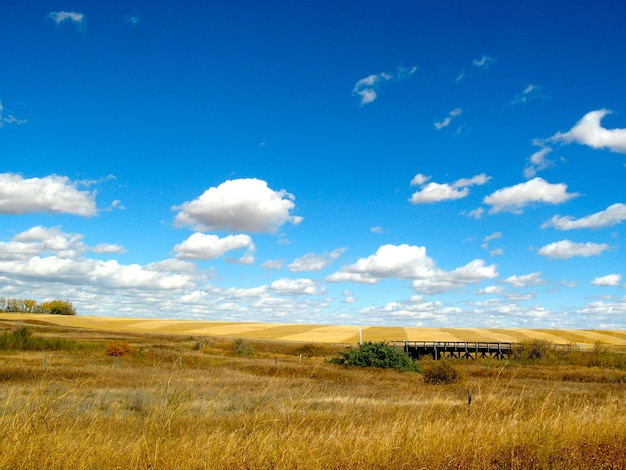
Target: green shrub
[
  {"x": 441, "y": 372},
  {"x": 376, "y": 355},
  {"x": 240, "y": 348},
  {"x": 22, "y": 339}
]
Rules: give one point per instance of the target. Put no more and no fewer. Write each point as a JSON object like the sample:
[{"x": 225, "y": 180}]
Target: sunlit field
[{"x": 196, "y": 399}]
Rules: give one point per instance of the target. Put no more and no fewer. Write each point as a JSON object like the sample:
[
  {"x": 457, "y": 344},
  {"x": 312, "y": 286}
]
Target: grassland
[{"x": 193, "y": 401}]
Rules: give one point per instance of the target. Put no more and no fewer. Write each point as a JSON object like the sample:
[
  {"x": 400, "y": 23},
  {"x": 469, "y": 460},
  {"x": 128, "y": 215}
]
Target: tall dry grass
[{"x": 172, "y": 406}]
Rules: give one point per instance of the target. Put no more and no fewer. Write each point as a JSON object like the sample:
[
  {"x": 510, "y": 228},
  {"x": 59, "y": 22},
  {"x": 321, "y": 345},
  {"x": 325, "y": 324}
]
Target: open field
[
  {"x": 182, "y": 401},
  {"x": 323, "y": 333}
]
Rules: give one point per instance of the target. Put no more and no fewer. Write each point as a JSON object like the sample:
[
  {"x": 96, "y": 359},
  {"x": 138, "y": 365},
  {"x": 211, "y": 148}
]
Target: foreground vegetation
[{"x": 173, "y": 402}]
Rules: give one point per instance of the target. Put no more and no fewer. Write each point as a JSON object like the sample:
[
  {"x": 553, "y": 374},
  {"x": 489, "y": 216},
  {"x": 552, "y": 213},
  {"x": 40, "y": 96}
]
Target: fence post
[{"x": 45, "y": 362}]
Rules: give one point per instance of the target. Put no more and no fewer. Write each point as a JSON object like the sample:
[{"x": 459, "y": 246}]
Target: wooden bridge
[{"x": 461, "y": 350}]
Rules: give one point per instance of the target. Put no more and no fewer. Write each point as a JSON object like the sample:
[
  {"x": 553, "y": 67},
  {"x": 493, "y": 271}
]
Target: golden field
[
  {"x": 322, "y": 333},
  {"x": 196, "y": 395}
]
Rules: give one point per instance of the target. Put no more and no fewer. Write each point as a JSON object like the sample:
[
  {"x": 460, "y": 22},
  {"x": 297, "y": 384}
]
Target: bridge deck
[{"x": 457, "y": 349}]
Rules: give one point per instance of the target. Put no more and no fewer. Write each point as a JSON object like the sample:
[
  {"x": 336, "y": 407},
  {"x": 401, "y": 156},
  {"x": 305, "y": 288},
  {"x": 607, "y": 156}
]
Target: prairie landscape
[{"x": 108, "y": 393}]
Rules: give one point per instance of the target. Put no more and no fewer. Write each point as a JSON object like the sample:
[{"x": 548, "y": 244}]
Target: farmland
[{"x": 251, "y": 396}]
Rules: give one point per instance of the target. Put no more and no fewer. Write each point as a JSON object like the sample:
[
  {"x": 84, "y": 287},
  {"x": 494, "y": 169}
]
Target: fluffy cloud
[
  {"x": 436, "y": 192},
  {"x": 441, "y": 281},
  {"x": 366, "y": 87},
  {"x": 608, "y": 280},
  {"x": 589, "y": 131},
  {"x": 51, "y": 240},
  {"x": 525, "y": 280},
  {"x": 412, "y": 263},
  {"x": 315, "y": 262},
  {"x": 612, "y": 215},
  {"x": 242, "y": 205},
  {"x": 448, "y": 119},
  {"x": 389, "y": 261},
  {"x": 51, "y": 194},
  {"x": 515, "y": 198},
  {"x": 49, "y": 255},
  {"x": 295, "y": 287},
  {"x": 201, "y": 246},
  {"x": 565, "y": 249}
]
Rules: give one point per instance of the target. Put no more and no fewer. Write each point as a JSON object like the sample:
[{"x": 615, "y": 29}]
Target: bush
[
  {"x": 241, "y": 349},
  {"x": 441, "y": 372},
  {"x": 533, "y": 350},
  {"x": 22, "y": 339},
  {"x": 376, "y": 355},
  {"x": 118, "y": 348},
  {"x": 58, "y": 307}
]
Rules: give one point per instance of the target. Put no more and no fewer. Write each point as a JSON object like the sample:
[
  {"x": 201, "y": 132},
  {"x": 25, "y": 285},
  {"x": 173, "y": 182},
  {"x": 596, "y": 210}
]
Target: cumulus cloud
[
  {"x": 565, "y": 249},
  {"x": 366, "y": 87},
  {"x": 515, "y": 198},
  {"x": 295, "y": 287},
  {"x": 416, "y": 310},
  {"x": 315, "y": 262},
  {"x": 442, "y": 281},
  {"x": 538, "y": 162},
  {"x": 437, "y": 192},
  {"x": 589, "y": 131},
  {"x": 606, "y": 281},
  {"x": 200, "y": 246},
  {"x": 242, "y": 205},
  {"x": 612, "y": 215},
  {"x": 50, "y": 194},
  {"x": 411, "y": 263},
  {"x": 524, "y": 280},
  {"x": 448, "y": 119},
  {"x": 62, "y": 16}
]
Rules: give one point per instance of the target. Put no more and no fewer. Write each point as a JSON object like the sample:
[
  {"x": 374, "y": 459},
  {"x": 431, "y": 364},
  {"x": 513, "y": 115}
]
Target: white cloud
[
  {"x": 315, "y": 262},
  {"x": 588, "y": 131},
  {"x": 50, "y": 194},
  {"x": 61, "y": 16},
  {"x": 389, "y": 261},
  {"x": 612, "y": 215},
  {"x": 132, "y": 19},
  {"x": 412, "y": 263},
  {"x": 366, "y": 87},
  {"x": 515, "y": 198},
  {"x": 295, "y": 287},
  {"x": 525, "y": 280},
  {"x": 538, "y": 162},
  {"x": 201, "y": 246},
  {"x": 484, "y": 62},
  {"x": 565, "y": 249},
  {"x": 491, "y": 290},
  {"x": 441, "y": 281},
  {"x": 477, "y": 180},
  {"x": 419, "y": 180},
  {"x": 109, "y": 248},
  {"x": 608, "y": 280},
  {"x": 437, "y": 192},
  {"x": 377, "y": 229},
  {"x": 273, "y": 264},
  {"x": 246, "y": 205},
  {"x": 416, "y": 310},
  {"x": 448, "y": 119}
]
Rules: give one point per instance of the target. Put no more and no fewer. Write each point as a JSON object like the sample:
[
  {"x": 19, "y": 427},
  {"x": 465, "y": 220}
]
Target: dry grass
[{"x": 189, "y": 403}]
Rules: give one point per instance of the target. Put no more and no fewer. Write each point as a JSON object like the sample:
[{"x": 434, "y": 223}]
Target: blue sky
[{"x": 437, "y": 164}]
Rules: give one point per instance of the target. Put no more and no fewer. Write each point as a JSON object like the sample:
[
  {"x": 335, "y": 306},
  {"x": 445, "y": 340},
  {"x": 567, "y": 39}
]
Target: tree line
[{"x": 52, "y": 307}]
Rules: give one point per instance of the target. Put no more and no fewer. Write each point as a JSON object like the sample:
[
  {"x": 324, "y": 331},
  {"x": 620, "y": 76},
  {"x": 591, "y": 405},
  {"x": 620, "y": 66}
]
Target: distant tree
[{"x": 58, "y": 307}]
